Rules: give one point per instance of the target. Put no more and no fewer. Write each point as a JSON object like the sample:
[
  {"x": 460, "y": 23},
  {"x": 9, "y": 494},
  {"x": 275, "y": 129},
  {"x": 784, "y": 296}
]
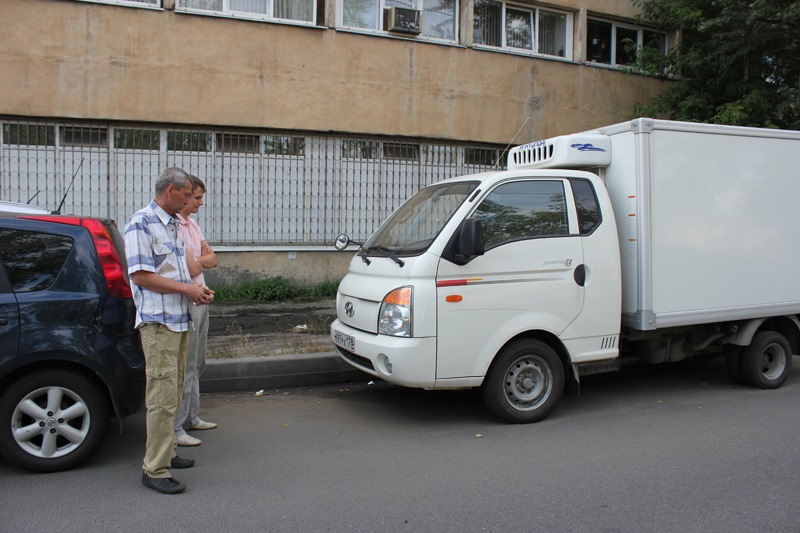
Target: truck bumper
[{"x": 410, "y": 362}]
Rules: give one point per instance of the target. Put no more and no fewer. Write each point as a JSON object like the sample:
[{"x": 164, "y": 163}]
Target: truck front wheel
[
  {"x": 766, "y": 363},
  {"x": 524, "y": 383}
]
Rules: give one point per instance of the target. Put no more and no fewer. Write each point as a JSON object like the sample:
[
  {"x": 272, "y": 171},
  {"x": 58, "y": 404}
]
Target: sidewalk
[{"x": 273, "y": 371}]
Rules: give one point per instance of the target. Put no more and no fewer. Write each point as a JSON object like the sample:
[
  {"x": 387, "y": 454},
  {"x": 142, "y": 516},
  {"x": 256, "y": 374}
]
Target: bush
[{"x": 275, "y": 289}]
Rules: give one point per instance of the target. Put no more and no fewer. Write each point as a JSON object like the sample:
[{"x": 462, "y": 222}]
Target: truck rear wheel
[
  {"x": 766, "y": 363},
  {"x": 524, "y": 383}
]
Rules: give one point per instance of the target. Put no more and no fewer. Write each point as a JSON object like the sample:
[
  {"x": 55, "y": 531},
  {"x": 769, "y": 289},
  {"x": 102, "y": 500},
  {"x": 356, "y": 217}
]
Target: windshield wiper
[
  {"x": 362, "y": 253},
  {"x": 388, "y": 253}
]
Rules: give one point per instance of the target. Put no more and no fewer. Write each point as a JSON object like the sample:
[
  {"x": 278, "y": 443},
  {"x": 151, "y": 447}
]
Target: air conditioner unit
[{"x": 403, "y": 20}]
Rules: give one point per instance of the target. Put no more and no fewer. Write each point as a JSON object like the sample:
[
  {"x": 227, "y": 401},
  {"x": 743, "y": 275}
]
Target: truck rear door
[{"x": 529, "y": 276}]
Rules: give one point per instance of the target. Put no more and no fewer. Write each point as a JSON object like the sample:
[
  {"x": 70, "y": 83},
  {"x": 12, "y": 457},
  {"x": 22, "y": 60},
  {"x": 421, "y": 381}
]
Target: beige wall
[
  {"x": 81, "y": 60},
  {"x": 303, "y": 267}
]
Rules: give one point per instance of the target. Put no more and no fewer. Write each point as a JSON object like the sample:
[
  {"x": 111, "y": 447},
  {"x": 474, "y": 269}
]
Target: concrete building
[{"x": 305, "y": 118}]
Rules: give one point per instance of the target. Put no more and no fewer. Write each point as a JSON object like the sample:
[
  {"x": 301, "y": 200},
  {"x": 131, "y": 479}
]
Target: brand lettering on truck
[
  {"x": 587, "y": 147},
  {"x": 565, "y": 262}
]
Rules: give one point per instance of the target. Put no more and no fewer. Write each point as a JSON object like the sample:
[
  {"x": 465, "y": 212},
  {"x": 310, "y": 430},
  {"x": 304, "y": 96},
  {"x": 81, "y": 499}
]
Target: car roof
[{"x": 16, "y": 207}]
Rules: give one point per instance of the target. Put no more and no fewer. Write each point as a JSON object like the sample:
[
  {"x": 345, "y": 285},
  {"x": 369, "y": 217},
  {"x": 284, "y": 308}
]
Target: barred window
[
  {"x": 188, "y": 141},
  {"x": 83, "y": 136},
  {"x": 29, "y": 134},
  {"x": 130, "y": 139},
  {"x": 284, "y": 145}
]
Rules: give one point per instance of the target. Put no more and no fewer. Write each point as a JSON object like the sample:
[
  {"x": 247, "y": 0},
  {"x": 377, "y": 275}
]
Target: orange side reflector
[{"x": 453, "y": 298}]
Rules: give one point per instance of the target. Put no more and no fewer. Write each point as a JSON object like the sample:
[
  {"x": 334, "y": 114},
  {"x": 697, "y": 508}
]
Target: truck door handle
[{"x": 580, "y": 275}]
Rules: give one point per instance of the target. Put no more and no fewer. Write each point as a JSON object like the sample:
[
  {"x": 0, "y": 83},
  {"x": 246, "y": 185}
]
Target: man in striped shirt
[{"x": 163, "y": 291}]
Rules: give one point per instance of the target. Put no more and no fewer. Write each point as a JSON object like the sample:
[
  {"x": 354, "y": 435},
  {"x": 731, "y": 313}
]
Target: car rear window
[{"x": 32, "y": 260}]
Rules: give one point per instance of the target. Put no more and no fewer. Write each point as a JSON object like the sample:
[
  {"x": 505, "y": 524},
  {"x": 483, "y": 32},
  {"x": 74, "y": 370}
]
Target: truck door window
[
  {"x": 589, "y": 216},
  {"x": 523, "y": 210}
]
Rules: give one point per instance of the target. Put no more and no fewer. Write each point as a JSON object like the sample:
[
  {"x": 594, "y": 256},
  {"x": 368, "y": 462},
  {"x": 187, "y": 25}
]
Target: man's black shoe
[
  {"x": 164, "y": 485},
  {"x": 177, "y": 462}
]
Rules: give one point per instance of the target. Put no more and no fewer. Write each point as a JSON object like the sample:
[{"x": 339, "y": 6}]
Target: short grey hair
[{"x": 171, "y": 176}]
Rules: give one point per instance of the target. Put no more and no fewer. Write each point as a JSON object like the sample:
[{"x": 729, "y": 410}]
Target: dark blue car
[{"x": 69, "y": 356}]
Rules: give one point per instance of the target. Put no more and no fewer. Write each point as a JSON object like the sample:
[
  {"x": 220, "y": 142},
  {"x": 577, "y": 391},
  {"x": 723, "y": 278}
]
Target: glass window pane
[
  {"x": 626, "y": 45},
  {"x": 29, "y": 134},
  {"x": 130, "y": 139},
  {"x": 586, "y": 202},
  {"x": 249, "y": 6},
  {"x": 360, "y": 13},
  {"x": 211, "y": 5},
  {"x": 439, "y": 19},
  {"x": 33, "y": 261},
  {"x": 519, "y": 29},
  {"x": 83, "y": 136},
  {"x": 552, "y": 33},
  {"x": 522, "y": 210},
  {"x": 599, "y": 42},
  {"x": 655, "y": 40},
  {"x": 488, "y": 23},
  {"x": 295, "y": 10}
]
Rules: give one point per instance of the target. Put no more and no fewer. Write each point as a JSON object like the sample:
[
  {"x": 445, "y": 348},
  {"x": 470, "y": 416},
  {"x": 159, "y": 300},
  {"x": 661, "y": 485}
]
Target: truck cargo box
[{"x": 707, "y": 220}]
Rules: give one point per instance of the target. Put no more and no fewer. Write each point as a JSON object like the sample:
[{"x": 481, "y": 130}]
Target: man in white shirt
[{"x": 200, "y": 256}]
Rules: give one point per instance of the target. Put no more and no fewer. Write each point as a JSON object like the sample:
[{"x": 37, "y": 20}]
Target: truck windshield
[{"x": 414, "y": 226}]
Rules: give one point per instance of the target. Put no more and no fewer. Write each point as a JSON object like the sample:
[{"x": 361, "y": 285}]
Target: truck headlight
[{"x": 395, "y": 314}]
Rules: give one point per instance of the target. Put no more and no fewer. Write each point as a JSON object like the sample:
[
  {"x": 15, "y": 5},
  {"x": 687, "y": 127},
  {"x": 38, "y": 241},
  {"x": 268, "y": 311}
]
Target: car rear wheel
[{"x": 52, "y": 420}]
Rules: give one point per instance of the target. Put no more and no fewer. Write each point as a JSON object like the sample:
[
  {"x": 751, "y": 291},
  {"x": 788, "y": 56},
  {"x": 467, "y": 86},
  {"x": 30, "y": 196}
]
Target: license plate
[{"x": 345, "y": 341}]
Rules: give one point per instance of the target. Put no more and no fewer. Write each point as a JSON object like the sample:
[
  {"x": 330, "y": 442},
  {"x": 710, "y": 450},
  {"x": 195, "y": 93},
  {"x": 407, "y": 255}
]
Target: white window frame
[
  {"x": 130, "y": 3},
  {"x": 535, "y": 10},
  {"x": 640, "y": 30},
  {"x": 226, "y": 12},
  {"x": 378, "y": 29}
]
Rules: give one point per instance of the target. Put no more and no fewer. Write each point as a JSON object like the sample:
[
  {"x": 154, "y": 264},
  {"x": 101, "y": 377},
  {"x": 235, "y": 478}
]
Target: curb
[{"x": 256, "y": 373}]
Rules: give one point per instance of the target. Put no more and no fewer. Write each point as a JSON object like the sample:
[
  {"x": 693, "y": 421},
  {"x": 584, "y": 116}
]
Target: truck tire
[
  {"x": 767, "y": 361},
  {"x": 52, "y": 420},
  {"x": 524, "y": 383}
]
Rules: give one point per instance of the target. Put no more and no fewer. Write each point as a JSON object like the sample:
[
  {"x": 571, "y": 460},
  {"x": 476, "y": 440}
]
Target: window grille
[{"x": 263, "y": 188}]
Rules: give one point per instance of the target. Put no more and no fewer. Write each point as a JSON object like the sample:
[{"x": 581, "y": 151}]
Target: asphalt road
[{"x": 657, "y": 449}]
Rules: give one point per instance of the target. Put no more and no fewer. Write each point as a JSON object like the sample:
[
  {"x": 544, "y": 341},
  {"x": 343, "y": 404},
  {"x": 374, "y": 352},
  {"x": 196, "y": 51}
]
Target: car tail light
[{"x": 110, "y": 262}]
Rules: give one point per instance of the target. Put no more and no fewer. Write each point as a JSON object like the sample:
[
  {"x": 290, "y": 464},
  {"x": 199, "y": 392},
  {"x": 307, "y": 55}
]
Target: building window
[
  {"x": 241, "y": 143},
  {"x": 438, "y": 18},
  {"x": 284, "y": 10},
  {"x": 480, "y": 156},
  {"x": 133, "y": 3},
  {"x": 130, "y": 139},
  {"x": 408, "y": 152},
  {"x": 531, "y": 29},
  {"x": 188, "y": 141},
  {"x": 617, "y": 44},
  {"x": 284, "y": 145},
  {"x": 83, "y": 136},
  {"x": 359, "y": 149},
  {"x": 29, "y": 134}
]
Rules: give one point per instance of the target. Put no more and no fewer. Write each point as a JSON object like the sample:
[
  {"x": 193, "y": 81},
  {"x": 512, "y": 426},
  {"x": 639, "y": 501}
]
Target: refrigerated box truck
[{"x": 649, "y": 240}]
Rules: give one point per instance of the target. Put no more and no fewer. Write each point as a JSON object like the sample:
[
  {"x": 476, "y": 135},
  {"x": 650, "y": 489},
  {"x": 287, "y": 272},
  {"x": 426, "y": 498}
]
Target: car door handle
[{"x": 580, "y": 275}]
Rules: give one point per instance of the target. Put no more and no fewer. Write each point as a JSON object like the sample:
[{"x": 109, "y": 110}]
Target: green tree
[{"x": 738, "y": 61}]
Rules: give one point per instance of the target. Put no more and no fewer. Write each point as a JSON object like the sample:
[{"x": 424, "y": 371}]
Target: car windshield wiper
[
  {"x": 388, "y": 253},
  {"x": 362, "y": 253}
]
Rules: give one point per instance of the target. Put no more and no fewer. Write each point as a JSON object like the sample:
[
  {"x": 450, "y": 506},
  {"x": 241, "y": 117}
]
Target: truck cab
[{"x": 509, "y": 273}]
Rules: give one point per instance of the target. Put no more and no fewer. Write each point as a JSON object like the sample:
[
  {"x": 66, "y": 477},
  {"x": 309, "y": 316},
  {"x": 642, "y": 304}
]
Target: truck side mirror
[{"x": 466, "y": 243}]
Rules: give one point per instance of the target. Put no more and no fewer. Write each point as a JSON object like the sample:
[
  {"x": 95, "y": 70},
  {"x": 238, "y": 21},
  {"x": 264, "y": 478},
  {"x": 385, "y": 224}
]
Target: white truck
[{"x": 650, "y": 239}]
